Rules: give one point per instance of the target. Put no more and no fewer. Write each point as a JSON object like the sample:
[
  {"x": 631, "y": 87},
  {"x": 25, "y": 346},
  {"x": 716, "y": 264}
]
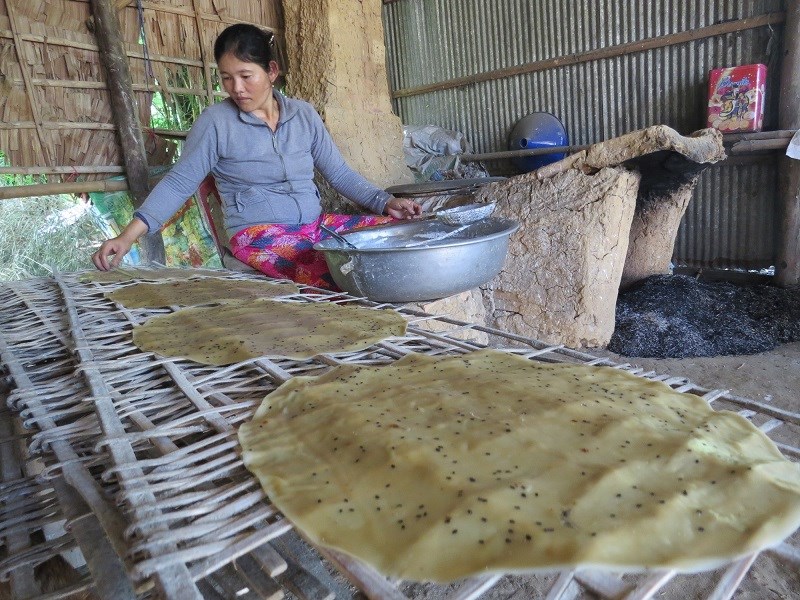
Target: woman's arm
[
  {"x": 199, "y": 155},
  {"x": 350, "y": 184},
  {"x": 119, "y": 246}
]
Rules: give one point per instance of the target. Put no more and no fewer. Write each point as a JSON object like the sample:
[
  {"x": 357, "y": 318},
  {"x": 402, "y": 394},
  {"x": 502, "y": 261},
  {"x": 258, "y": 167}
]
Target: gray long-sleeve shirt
[{"x": 262, "y": 176}]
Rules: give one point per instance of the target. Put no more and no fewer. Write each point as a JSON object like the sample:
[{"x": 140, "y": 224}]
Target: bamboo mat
[{"x": 148, "y": 447}]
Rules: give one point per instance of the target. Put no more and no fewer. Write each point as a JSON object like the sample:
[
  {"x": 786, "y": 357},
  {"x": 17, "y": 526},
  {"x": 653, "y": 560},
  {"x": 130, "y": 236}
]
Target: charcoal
[{"x": 677, "y": 316}]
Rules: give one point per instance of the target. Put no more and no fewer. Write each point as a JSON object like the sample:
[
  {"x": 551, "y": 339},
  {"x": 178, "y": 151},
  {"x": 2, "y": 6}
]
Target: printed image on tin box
[{"x": 736, "y": 98}]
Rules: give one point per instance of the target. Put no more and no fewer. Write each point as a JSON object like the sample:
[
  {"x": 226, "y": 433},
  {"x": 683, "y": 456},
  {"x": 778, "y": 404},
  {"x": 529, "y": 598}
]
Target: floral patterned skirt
[{"x": 286, "y": 251}]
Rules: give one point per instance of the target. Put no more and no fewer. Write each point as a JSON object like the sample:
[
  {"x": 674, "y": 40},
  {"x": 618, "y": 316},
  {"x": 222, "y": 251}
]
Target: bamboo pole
[
  {"x": 746, "y": 146},
  {"x": 64, "y": 43},
  {"x": 787, "y": 268},
  {"x": 173, "y": 133},
  {"x": 743, "y": 143},
  {"x": 759, "y": 135},
  {"x": 123, "y": 107},
  {"x": 178, "y": 10},
  {"x": 58, "y": 125},
  {"x": 82, "y": 170},
  {"x": 169, "y": 133},
  {"x": 76, "y": 187},
  {"x": 520, "y": 153},
  {"x": 602, "y": 53},
  {"x": 101, "y": 85}
]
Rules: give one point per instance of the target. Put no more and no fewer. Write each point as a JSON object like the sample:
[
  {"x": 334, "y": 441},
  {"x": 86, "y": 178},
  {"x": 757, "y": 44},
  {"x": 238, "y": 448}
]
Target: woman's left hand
[{"x": 402, "y": 208}]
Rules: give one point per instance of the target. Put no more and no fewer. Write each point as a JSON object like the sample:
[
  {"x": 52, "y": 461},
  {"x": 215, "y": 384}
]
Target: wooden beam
[
  {"x": 123, "y": 107},
  {"x": 602, "y": 53},
  {"x": 787, "y": 269}
]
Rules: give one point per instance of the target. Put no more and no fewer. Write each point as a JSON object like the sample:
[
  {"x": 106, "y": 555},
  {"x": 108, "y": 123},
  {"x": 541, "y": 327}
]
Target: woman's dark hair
[{"x": 246, "y": 42}]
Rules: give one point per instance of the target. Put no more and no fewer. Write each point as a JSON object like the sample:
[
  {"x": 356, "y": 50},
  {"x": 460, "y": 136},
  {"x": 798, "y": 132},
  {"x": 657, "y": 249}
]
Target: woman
[{"x": 262, "y": 148}]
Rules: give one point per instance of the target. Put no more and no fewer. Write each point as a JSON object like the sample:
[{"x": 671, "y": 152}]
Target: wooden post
[
  {"x": 787, "y": 269},
  {"x": 123, "y": 106}
]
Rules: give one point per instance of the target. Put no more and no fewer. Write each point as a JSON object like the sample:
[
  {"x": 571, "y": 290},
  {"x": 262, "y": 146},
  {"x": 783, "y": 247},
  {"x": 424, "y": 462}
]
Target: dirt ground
[{"x": 772, "y": 377}]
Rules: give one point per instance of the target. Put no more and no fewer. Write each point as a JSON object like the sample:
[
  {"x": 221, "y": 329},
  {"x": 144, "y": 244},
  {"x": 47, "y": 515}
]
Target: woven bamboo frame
[{"x": 149, "y": 444}]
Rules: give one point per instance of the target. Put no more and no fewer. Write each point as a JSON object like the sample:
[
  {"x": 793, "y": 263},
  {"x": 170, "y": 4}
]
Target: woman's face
[{"x": 247, "y": 83}]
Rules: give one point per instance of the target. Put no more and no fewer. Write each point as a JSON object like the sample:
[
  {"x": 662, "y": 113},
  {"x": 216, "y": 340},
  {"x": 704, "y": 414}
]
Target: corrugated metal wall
[{"x": 731, "y": 221}]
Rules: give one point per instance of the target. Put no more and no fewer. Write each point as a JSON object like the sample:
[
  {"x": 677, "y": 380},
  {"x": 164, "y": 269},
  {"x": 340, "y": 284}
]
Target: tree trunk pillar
[{"x": 123, "y": 107}]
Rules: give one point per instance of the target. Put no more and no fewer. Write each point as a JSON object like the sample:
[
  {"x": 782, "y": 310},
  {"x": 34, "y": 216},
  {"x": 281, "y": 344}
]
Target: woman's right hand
[
  {"x": 116, "y": 247},
  {"x": 119, "y": 246}
]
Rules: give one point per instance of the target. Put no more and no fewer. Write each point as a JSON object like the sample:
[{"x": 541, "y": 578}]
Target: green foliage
[
  {"x": 8, "y": 180},
  {"x": 44, "y": 233},
  {"x": 178, "y": 111}
]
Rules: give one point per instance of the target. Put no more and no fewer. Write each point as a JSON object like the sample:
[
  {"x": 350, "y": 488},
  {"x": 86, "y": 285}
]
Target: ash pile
[{"x": 676, "y": 316}]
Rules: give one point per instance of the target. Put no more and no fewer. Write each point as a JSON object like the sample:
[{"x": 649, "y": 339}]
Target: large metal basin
[{"x": 405, "y": 262}]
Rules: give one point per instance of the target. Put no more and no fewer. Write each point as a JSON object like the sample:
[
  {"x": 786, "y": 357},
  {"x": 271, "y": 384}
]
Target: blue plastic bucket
[{"x": 537, "y": 130}]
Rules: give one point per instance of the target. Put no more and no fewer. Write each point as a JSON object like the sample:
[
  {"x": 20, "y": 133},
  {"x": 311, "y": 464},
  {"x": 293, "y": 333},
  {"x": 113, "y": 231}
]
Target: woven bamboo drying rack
[{"x": 139, "y": 455}]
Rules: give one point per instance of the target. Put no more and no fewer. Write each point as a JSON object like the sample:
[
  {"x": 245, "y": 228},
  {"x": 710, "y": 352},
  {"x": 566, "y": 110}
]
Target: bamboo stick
[
  {"x": 746, "y": 146},
  {"x": 742, "y": 144},
  {"x": 77, "y": 170},
  {"x": 24, "y": 67},
  {"x": 65, "y": 43},
  {"x": 168, "y": 133},
  {"x": 177, "y": 10},
  {"x": 518, "y": 153},
  {"x": 101, "y": 85},
  {"x": 599, "y": 54},
  {"x": 759, "y": 135},
  {"x": 787, "y": 267},
  {"x": 57, "y": 125},
  {"x": 745, "y": 159}
]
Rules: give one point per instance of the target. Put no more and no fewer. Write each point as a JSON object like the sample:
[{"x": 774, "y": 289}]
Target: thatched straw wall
[{"x": 54, "y": 105}]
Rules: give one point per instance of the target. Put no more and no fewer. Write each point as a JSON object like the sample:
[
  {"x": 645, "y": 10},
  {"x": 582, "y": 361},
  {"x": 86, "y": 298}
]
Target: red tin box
[{"x": 736, "y": 98}]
